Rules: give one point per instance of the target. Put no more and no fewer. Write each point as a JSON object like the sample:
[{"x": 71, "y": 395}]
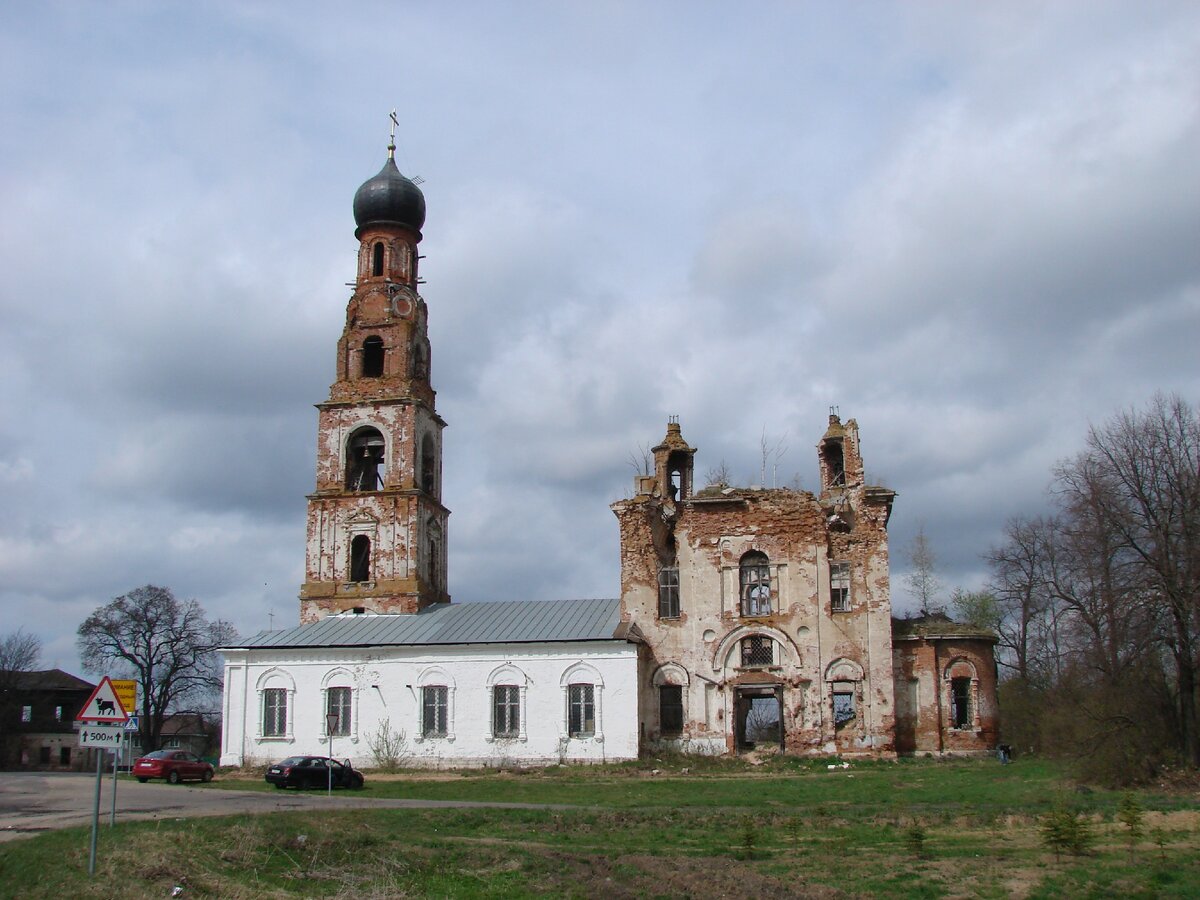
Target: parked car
[
  {"x": 313, "y": 771},
  {"x": 173, "y": 765}
]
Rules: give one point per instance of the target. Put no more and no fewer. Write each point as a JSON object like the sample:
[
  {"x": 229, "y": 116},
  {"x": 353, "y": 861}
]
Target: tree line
[{"x": 1097, "y": 604}]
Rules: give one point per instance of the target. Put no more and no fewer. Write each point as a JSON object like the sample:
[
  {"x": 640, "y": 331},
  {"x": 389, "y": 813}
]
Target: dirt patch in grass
[{"x": 670, "y": 876}]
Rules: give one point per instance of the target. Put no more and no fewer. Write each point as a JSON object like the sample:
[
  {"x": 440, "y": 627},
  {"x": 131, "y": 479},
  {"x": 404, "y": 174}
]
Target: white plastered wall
[{"x": 386, "y": 684}]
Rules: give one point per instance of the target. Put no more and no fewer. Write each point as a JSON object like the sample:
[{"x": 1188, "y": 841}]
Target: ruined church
[{"x": 748, "y": 618}]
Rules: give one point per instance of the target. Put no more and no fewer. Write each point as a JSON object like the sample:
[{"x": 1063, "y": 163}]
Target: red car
[{"x": 173, "y": 765}]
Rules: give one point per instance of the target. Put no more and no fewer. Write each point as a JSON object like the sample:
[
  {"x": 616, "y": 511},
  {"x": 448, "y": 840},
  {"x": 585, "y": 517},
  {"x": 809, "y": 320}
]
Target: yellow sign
[{"x": 126, "y": 692}]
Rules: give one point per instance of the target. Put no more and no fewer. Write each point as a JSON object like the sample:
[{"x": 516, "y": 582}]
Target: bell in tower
[{"x": 376, "y": 539}]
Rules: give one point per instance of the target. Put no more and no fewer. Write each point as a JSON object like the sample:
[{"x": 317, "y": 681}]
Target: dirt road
[{"x": 32, "y": 802}]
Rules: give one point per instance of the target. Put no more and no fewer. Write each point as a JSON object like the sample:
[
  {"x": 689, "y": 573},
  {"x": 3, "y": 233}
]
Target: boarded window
[
  {"x": 843, "y": 704},
  {"x": 670, "y": 709},
  {"x": 434, "y": 707},
  {"x": 581, "y": 710},
  {"x": 839, "y": 586},
  {"x": 337, "y": 703},
  {"x": 506, "y": 711},
  {"x": 274, "y": 722},
  {"x": 758, "y": 650},
  {"x": 668, "y": 592},
  {"x": 755, "y": 577},
  {"x": 960, "y": 695}
]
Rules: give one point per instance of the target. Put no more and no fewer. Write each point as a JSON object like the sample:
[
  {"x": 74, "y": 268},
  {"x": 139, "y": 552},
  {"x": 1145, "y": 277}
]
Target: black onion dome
[{"x": 389, "y": 199}]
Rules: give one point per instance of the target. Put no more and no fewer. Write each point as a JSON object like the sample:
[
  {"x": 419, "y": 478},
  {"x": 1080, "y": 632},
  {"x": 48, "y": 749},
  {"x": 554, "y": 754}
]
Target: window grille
[
  {"x": 758, "y": 650},
  {"x": 433, "y": 711},
  {"x": 843, "y": 707},
  {"x": 506, "y": 710},
  {"x": 338, "y": 703},
  {"x": 274, "y": 712},
  {"x": 581, "y": 710}
]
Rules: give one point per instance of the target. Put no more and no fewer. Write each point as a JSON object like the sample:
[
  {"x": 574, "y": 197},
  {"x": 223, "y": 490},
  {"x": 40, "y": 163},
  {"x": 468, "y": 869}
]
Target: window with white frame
[
  {"x": 274, "y": 720},
  {"x": 337, "y": 702},
  {"x": 668, "y": 592},
  {"x": 754, "y": 574},
  {"x": 435, "y": 706},
  {"x": 839, "y": 586},
  {"x": 506, "y": 711},
  {"x": 581, "y": 710}
]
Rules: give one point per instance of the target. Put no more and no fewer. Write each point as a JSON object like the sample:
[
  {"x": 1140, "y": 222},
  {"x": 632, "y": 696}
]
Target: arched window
[
  {"x": 360, "y": 558},
  {"x": 757, "y": 650},
  {"x": 835, "y": 462},
  {"x": 428, "y": 466},
  {"x": 372, "y": 357},
  {"x": 755, "y": 577},
  {"x": 377, "y": 259},
  {"x": 364, "y": 460}
]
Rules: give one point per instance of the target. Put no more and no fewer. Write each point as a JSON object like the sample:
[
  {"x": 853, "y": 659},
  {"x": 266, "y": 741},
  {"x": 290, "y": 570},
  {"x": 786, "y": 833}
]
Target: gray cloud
[{"x": 974, "y": 230}]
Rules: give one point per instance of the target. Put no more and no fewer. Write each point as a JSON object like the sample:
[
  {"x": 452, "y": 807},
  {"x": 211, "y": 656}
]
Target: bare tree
[
  {"x": 1027, "y": 625},
  {"x": 1139, "y": 478},
  {"x": 166, "y": 644},
  {"x": 641, "y": 460},
  {"x": 771, "y": 454},
  {"x": 922, "y": 582},
  {"x": 719, "y": 475},
  {"x": 19, "y": 654}
]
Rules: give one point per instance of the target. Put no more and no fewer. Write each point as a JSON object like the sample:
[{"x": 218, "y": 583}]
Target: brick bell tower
[{"x": 376, "y": 538}]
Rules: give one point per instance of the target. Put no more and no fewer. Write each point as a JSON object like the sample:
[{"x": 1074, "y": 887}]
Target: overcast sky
[{"x": 975, "y": 228}]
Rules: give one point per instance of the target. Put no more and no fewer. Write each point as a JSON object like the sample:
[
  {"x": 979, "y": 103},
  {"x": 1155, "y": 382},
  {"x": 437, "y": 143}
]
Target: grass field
[{"x": 788, "y": 828}]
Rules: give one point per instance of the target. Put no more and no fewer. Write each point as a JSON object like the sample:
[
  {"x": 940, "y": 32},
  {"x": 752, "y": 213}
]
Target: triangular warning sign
[{"x": 103, "y": 706}]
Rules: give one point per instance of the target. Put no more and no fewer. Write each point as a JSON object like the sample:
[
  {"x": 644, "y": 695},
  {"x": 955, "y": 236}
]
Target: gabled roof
[
  {"x": 52, "y": 680},
  {"x": 516, "y": 622}
]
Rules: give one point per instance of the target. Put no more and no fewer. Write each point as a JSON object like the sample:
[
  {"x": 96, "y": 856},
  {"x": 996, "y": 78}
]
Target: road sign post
[{"x": 102, "y": 722}]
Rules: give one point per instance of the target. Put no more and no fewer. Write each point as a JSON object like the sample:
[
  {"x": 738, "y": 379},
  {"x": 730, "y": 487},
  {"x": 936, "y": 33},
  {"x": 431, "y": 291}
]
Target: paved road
[{"x": 32, "y": 802}]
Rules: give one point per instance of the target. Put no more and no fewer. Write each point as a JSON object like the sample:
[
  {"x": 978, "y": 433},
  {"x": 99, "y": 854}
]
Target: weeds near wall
[{"x": 389, "y": 747}]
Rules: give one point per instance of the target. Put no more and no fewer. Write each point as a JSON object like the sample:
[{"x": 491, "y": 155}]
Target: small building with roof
[
  {"x": 39, "y": 730},
  {"x": 454, "y": 684}
]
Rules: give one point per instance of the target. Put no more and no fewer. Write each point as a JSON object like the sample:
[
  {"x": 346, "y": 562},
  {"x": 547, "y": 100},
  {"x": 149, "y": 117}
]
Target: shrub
[{"x": 389, "y": 747}]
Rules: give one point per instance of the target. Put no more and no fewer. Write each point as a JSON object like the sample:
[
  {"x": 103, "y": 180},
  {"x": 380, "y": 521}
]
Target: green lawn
[{"x": 787, "y": 829}]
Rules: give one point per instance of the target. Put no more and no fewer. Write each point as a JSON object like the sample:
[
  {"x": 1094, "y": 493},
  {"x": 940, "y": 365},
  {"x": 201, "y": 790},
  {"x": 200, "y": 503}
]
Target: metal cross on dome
[{"x": 392, "y": 137}]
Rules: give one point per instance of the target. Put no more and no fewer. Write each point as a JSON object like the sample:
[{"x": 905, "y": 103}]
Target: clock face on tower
[{"x": 403, "y": 299}]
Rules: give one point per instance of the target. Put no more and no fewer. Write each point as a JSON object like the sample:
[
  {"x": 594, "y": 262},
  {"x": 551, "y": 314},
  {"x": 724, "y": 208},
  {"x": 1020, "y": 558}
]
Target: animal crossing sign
[{"x": 103, "y": 707}]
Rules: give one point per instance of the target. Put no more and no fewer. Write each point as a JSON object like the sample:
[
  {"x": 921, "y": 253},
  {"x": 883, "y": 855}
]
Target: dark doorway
[{"x": 759, "y": 718}]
